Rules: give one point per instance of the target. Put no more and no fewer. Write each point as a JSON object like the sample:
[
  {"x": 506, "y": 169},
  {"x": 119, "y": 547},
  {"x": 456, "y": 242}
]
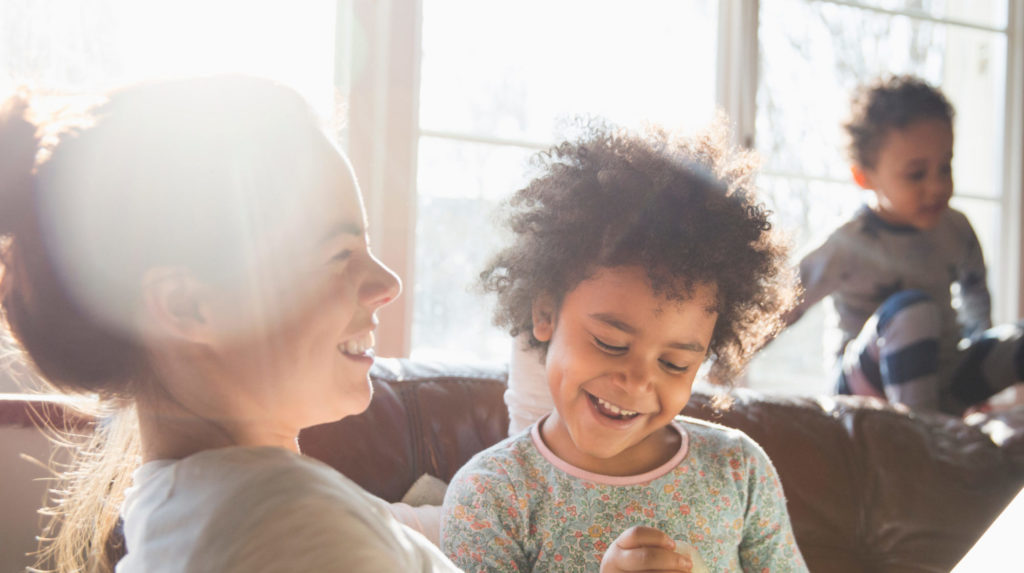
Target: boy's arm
[
  {"x": 483, "y": 523},
  {"x": 975, "y": 313},
  {"x": 815, "y": 272},
  {"x": 818, "y": 271},
  {"x": 768, "y": 542}
]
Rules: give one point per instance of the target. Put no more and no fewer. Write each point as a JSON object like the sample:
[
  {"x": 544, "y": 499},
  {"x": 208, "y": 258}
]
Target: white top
[
  {"x": 527, "y": 396},
  {"x": 262, "y": 509}
]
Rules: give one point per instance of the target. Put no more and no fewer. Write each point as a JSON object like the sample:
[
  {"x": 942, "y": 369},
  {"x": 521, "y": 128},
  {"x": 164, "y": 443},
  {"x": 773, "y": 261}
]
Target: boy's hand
[{"x": 644, "y": 549}]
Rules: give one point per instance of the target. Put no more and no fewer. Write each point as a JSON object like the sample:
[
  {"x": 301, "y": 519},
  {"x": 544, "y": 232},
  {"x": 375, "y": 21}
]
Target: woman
[{"x": 195, "y": 253}]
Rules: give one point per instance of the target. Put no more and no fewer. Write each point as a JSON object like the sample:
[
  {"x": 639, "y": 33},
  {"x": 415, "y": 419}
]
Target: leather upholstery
[{"x": 870, "y": 487}]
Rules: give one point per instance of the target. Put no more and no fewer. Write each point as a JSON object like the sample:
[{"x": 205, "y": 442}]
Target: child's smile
[
  {"x": 612, "y": 411},
  {"x": 621, "y": 364}
]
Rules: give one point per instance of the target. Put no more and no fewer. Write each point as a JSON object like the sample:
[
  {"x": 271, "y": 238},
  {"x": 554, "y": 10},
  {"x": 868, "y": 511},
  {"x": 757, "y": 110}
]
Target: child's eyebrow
[{"x": 614, "y": 322}]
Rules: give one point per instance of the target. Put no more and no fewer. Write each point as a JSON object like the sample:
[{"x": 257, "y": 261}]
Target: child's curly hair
[
  {"x": 683, "y": 209},
  {"x": 891, "y": 102}
]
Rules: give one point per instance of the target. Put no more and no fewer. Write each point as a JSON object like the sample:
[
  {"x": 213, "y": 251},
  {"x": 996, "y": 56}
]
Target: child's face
[
  {"x": 913, "y": 177},
  {"x": 620, "y": 365}
]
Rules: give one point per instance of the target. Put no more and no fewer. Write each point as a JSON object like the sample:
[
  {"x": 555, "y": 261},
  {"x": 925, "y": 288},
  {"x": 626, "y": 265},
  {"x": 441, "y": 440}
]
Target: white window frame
[{"x": 380, "y": 41}]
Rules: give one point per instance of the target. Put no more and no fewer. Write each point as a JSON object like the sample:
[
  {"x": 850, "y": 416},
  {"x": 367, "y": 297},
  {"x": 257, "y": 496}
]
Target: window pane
[
  {"x": 985, "y": 217},
  {"x": 982, "y": 12},
  {"x": 511, "y": 72},
  {"x": 798, "y": 361},
  {"x": 809, "y": 72},
  {"x": 459, "y": 188},
  {"x": 94, "y": 44},
  {"x": 512, "y": 69}
]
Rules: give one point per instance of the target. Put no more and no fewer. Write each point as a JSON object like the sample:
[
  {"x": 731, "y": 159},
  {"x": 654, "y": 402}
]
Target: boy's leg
[
  {"x": 896, "y": 355},
  {"x": 992, "y": 362}
]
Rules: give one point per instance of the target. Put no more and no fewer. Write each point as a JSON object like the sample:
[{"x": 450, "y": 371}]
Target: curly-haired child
[
  {"x": 890, "y": 268},
  {"x": 637, "y": 256}
]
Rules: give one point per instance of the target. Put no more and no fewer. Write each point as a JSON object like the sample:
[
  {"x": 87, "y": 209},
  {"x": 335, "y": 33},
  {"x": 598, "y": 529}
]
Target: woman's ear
[
  {"x": 543, "y": 311},
  {"x": 860, "y": 176},
  {"x": 174, "y": 305}
]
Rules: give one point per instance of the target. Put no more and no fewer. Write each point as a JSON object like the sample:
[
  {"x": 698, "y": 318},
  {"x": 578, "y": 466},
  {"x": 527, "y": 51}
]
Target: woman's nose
[{"x": 381, "y": 286}]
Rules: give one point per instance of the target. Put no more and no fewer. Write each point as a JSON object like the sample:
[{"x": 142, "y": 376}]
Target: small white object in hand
[{"x": 684, "y": 548}]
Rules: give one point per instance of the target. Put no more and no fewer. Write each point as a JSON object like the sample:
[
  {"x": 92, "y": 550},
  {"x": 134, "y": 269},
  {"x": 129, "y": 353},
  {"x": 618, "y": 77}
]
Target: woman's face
[{"x": 304, "y": 353}]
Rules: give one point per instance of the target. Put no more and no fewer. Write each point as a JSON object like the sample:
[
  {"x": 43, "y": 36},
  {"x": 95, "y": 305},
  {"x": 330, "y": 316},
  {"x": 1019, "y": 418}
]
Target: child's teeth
[{"x": 615, "y": 409}]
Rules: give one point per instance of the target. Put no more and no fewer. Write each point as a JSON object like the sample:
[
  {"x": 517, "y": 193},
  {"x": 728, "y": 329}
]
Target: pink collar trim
[{"x": 648, "y": 476}]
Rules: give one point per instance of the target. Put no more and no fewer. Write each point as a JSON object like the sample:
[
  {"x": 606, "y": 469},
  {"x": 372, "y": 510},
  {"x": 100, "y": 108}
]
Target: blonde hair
[{"x": 81, "y": 530}]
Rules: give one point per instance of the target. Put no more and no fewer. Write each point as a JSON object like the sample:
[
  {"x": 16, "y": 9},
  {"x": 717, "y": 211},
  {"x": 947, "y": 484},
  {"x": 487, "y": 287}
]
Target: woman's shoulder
[
  {"x": 218, "y": 497},
  {"x": 262, "y": 506}
]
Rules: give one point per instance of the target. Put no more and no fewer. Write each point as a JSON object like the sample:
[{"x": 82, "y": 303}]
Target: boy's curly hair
[
  {"x": 891, "y": 102},
  {"x": 683, "y": 209}
]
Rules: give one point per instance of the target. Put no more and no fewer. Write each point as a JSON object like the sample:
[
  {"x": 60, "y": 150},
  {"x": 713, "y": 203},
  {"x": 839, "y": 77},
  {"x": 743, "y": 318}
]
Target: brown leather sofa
[{"x": 870, "y": 488}]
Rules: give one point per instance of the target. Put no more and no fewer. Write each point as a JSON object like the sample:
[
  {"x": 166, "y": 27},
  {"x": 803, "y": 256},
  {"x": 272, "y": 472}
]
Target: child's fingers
[
  {"x": 644, "y": 549},
  {"x": 640, "y": 536}
]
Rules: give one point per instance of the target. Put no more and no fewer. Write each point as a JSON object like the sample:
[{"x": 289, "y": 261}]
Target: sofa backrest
[
  {"x": 869, "y": 487},
  {"x": 425, "y": 418}
]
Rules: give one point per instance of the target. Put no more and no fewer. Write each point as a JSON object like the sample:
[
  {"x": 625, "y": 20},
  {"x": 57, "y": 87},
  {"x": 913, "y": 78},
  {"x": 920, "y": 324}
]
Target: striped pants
[{"x": 896, "y": 357}]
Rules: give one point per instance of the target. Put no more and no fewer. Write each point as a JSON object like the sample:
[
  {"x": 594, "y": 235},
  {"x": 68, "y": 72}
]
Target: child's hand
[{"x": 644, "y": 549}]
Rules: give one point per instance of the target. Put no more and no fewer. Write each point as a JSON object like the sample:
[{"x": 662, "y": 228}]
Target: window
[
  {"x": 95, "y": 44},
  {"x": 496, "y": 81},
  {"x": 480, "y": 86},
  {"x": 448, "y": 99},
  {"x": 958, "y": 45}
]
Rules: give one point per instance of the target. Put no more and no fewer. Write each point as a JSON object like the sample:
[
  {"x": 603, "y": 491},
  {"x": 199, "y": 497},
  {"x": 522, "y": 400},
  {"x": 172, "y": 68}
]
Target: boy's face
[
  {"x": 912, "y": 177},
  {"x": 620, "y": 365}
]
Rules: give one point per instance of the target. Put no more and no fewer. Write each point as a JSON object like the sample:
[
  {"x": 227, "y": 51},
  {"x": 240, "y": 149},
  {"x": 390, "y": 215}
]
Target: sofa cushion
[
  {"x": 870, "y": 486},
  {"x": 425, "y": 418}
]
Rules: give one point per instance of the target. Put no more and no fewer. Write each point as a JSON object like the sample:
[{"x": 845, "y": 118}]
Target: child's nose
[{"x": 638, "y": 374}]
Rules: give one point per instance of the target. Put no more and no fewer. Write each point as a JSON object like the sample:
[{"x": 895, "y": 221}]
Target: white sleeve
[
  {"x": 424, "y": 519},
  {"x": 527, "y": 397}
]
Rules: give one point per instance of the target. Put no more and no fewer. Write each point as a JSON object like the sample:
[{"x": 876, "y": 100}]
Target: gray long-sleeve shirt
[{"x": 866, "y": 260}]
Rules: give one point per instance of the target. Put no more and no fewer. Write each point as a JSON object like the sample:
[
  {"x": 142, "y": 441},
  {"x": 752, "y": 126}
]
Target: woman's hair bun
[{"x": 19, "y": 145}]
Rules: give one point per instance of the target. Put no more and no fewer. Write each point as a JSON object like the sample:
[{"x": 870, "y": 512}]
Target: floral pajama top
[{"x": 518, "y": 507}]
